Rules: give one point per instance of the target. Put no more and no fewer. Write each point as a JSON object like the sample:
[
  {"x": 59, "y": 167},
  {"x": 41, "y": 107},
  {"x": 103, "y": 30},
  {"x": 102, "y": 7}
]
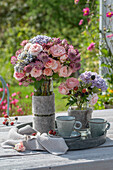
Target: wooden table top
[{"x": 100, "y": 158}]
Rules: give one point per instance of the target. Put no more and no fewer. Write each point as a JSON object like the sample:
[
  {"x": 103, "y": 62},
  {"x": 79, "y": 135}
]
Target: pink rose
[
  {"x": 72, "y": 82},
  {"x": 48, "y": 72},
  {"x": 24, "y": 42},
  {"x": 27, "y": 46},
  {"x": 35, "y": 72},
  {"x": 63, "y": 58},
  {"x": 63, "y": 89},
  {"x": 57, "y": 50},
  {"x": 19, "y": 147},
  {"x": 51, "y": 64},
  {"x": 19, "y": 76},
  {"x": 58, "y": 67},
  {"x": 35, "y": 49},
  {"x": 13, "y": 60},
  {"x": 93, "y": 99},
  {"x": 65, "y": 72},
  {"x": 69, "y": 71},
  {"x": 18, "y": 52}
]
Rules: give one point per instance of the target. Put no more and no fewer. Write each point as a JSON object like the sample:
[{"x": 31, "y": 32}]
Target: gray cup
[
  {"x": 66, "y": 124},
  {"x": 98, "y": 126}
]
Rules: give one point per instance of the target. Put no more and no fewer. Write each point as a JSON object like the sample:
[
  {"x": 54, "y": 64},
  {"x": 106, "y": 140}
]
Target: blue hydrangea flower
[{"x": 40, "y": 39}]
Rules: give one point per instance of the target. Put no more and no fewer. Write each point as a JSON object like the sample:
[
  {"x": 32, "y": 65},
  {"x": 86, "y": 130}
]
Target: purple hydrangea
[
  {"x": 94, "y": 79},
  {"x": 40, "y": 39}
]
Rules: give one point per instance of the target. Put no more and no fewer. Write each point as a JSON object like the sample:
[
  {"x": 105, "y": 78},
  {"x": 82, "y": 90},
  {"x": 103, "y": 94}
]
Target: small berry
[
  {"x": 4, "y": 122},
  {"x": 12, "y": 123},
  {"x": 83, "y": 90},
  {"x": 16, "y": 118},
  {"x": 93, "y": 77},
  {"x": 75, "y": 88},
  {"x": 54, "y": 133},
  {"x": 6, "y": 116},
  {"x": 76, "y": 95},
  {"x": 34, "y": 134},
  {"x": 86, "y": 93},
  {"x": 7, "y": 123},
  {"x": 51, "y": 132}
]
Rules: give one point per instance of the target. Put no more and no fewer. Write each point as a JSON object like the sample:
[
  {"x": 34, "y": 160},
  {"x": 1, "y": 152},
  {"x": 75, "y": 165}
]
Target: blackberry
[
  {"x": 93, "y": 77},
  {"x": 7, "y": 123}
]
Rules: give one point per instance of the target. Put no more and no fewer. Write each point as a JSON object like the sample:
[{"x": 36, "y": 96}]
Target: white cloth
[{"x": 54, "y": 145}]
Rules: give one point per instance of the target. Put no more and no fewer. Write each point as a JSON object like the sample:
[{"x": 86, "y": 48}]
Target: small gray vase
[
  {"x": 43, "y": 109},
  {"x": 81, "y": 115}
]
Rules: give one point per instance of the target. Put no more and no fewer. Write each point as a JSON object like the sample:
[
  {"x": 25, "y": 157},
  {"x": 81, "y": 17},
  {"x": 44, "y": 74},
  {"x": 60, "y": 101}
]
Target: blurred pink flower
[
  {"x": 63, "y": 89},
  {"x": 91, "y": 47},
  {"x": 109, "y": 14},
  {"x": 57, "y": 50},
  {"x": 17, "y": 106},
  {"x": 27, "y": 96},
  {"x": 72, "y": 82},
  {"x": 20, "y": 83},
  {"x": 86, "y": 11},
  {"x": 109, "y": 36},
  {"x": 93, "y": 99},
  {"x": 18, "y": 52},
  {"x": 13, "y": 94},
  {"x": 4, "y": 113},
  {"x": 13, "y": 60},
  {"x": 19, "y": 110},
  {"x": 5, "y": 91},
  {"x": 35, "y": 72},
  {"x": 1, "y": 89},
  {"x": 31, "y": 94},
  {"x": 76, "y": 1},
  {"x": 3, "y": 107},
  {"x": 24, "y": 42},
  {"x": 81, "y": 22},
  {"x": 14, "y": 101}
]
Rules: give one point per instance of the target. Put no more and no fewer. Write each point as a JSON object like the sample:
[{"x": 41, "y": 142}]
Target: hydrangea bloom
[
  {"x": 95, "y": 80},
  {"x": 40, "y": 39}
]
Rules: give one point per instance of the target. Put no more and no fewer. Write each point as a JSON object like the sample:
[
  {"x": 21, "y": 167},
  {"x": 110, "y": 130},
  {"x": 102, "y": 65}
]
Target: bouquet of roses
[
  {"x": 42, "y": 58},
  {"x": 83, "y": 92}
]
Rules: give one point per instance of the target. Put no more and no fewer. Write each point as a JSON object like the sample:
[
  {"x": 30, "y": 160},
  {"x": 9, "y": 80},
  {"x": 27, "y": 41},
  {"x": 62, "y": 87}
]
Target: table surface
[{"x": 99, "y": 158}]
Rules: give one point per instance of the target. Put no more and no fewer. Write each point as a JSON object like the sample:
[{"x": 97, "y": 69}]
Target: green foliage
[{"x": 24, "y": 19}]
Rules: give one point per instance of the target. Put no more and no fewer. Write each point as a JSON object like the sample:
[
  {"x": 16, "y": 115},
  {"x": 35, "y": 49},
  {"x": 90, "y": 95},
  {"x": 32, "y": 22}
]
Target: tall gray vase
[
  {"x": 43, "y": 109},
  {"x": 81, "y": 115}
]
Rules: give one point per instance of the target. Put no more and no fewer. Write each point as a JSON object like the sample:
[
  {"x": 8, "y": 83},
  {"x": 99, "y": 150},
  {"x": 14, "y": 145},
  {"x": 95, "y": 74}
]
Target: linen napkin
[{"x": 42, "y": 142}]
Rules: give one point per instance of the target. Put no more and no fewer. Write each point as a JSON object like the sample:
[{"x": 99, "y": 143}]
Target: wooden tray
[{"x": 78, "y": 143}]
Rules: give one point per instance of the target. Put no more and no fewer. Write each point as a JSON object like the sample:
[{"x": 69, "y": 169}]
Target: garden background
[{"x": 24, "y": 19}]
